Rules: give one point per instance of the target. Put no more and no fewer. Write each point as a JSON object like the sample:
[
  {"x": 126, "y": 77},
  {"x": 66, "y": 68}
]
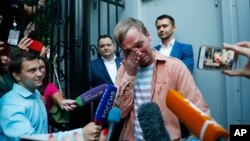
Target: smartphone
[
  {"x": 216, "y": 58},
  {"x": 36, "y": 46}
]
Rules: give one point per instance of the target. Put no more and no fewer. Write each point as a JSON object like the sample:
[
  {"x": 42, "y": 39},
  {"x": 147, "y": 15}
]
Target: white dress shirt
[
  {"x": 111, "y": 68},
  {"x": 166, "y": 50}
]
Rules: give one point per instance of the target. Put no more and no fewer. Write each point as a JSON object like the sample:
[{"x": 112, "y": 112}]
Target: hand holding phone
[
  {"x": 241, "y": 48},
  {"x": 216, "y": 58}
]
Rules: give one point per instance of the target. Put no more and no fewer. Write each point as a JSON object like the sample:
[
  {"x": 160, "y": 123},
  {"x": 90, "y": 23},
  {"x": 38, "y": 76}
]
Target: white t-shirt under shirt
[{"x": 142, "y": 94}]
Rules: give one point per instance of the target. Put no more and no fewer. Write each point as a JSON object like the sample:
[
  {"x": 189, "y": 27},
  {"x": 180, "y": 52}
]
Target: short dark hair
[
  {"x": 16, "y": 61},
  {"x": 164, "y": 16},
  {"x": 104, "y": 36}
]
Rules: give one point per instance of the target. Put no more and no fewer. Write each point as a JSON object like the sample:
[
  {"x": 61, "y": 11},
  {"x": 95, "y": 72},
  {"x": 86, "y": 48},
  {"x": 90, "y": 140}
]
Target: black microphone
[
  {"x": 91, "y": 95},
  {"x": 113, "y": 118},
  {"x": 151, "y": 122}
]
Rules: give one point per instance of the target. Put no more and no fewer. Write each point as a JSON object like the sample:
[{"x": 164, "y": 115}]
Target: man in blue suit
[{"x": 165, "y": 25}]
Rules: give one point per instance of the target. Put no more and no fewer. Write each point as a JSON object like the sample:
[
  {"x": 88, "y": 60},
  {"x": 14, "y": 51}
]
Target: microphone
[
  {"x": 91, "y": 95},
  {"x": 113, "y": 118},
  {"x": 201, "y": 125},
  {"x": 151, "y": 122},
  {"x": 105, "y": 105}
]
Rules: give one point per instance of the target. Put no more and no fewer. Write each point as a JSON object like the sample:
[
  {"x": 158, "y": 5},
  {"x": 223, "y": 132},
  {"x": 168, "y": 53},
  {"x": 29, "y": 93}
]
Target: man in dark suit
[
  {"x": 103, "y": 71},
  {"x": 165, "y": 25}
]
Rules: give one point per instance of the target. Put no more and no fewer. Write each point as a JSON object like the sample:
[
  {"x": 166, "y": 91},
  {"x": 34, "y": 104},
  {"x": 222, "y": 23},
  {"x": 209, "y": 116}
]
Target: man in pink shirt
[{"x": 145, "y": 76}]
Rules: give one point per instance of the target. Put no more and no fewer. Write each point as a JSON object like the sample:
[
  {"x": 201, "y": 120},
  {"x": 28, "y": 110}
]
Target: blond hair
[{"x": 123, "y": 26}]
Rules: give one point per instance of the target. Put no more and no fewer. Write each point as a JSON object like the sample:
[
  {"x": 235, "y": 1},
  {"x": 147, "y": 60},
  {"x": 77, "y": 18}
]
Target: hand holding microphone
[
  {"x": 68, "y": 104},
  {"x": 105, "y": 104},
  {"x": 107, "y": 94},
  {"x": 91, "y": 131}
]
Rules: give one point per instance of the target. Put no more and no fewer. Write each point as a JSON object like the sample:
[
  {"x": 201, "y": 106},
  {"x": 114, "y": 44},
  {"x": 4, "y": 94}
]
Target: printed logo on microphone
[
  {"x": 239, "y": 132},
  {"x": 105, "y": 105},
  {"x": 109, "y": 104},
  {"x": 89, "y": 97}
]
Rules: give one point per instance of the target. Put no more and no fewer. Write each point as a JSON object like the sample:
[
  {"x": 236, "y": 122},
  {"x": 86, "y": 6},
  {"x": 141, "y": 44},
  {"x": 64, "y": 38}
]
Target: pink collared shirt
[{"x": 168, "y": 73}]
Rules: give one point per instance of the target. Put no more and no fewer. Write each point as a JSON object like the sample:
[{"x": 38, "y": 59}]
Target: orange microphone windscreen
[{"x": 201, "y": 125}]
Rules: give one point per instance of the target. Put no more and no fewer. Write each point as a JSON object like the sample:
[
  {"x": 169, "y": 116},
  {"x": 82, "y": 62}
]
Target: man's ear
[
  {"x": 174, "y": 28},
  {"x": 148, "y": 35},
  {"x": 16, "y": 76}
]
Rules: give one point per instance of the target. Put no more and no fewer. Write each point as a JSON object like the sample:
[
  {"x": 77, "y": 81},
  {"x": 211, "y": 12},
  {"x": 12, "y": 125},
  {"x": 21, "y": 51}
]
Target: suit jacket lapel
[
  {"x": 158, "y": 47},
  {"x": 105, "y": 71},
  {"x": 118, "y": 62},
  {"x": 175, "y": 50}
]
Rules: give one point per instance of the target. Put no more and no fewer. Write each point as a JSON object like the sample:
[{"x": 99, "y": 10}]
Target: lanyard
[{"x": 14, "y": 23}]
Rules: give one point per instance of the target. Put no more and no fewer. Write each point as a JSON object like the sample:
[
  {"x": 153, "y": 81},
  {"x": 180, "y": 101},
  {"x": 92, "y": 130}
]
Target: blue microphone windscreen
[
  {"x": 105, "y": 105},
  {"x": 114, "y": 115}
]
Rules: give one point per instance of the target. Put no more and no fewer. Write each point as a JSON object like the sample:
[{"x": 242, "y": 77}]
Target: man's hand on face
[{"x": 132, "y": 61}]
